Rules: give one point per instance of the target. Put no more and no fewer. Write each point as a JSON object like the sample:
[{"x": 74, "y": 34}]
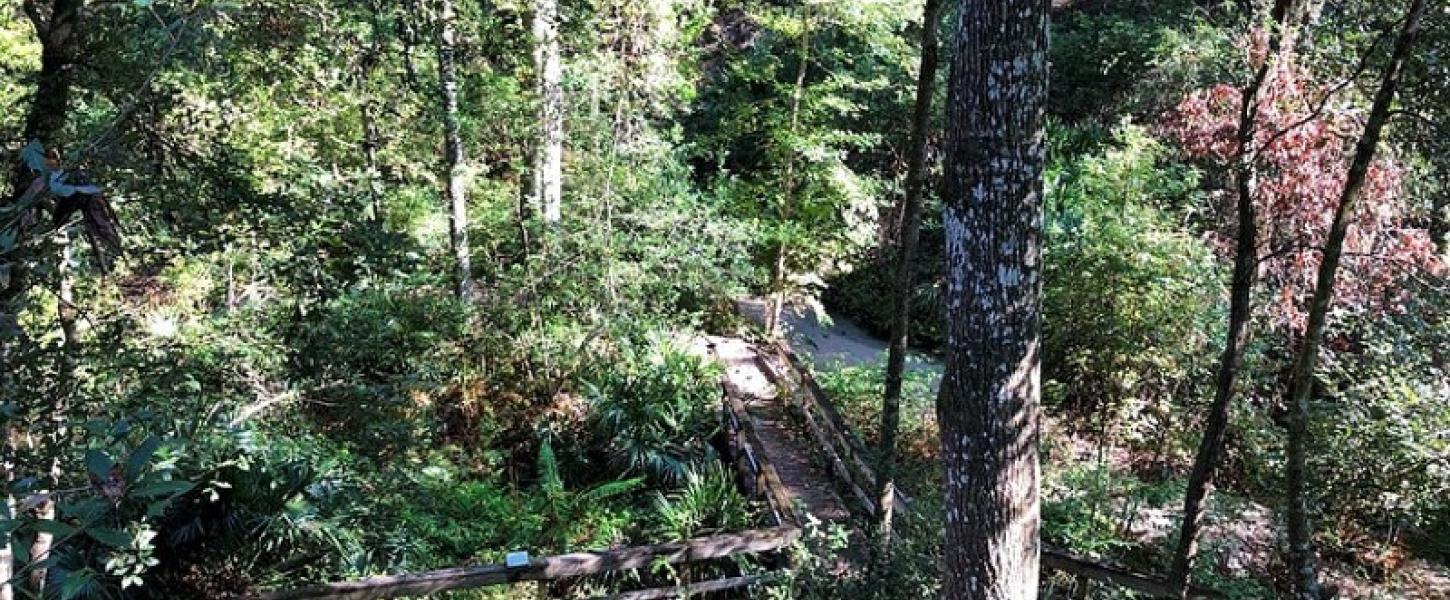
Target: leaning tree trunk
[
  {"x": 1301, "y": 546},
  {"x": 988, "y": 408},
  {"x": 453, "y": 147},
  {"x": 776, "y": 304},
  {"x": 905, "y": 263},
  {"x": 1246, "y": 262},
  {"x": 549, "y": 161}
]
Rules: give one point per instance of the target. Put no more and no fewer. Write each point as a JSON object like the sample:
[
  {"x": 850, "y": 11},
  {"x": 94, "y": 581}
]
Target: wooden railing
[
  {"x": 851, "y": 464},
  {"x": 553, "y": 568}
]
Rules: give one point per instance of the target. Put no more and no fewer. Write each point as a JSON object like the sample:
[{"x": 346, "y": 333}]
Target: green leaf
[
  {"x": 77, "y": 584},
  {"x": 142, "y": 456},
  {"x": 99, "y": 465},
  {"x": 164, "y": 488},
  {"x": 114, "y": 538},
  {"x": 34, "y": 156},
  {"x": 57, "y": 528}
]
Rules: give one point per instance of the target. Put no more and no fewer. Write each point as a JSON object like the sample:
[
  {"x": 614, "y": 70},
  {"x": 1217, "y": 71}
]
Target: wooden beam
[
  {"x": 686, "y": 591},
  {"x": 1060, "y": 560},
  {"x": 753, "y": 541}
]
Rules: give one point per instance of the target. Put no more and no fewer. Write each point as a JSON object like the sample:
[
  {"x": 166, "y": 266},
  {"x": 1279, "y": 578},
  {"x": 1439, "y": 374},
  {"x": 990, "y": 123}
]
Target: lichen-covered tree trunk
[
  {"x": 1301, "y": 543},
  {"x": 992, "y": 189},
  {"x": 1285, "y": 13},
  {"x": 7, "y": 557},
  {"x": 453, "y": 150},
  {"x": 549, "y": 160},
  {"x": 905, "y": 264}
]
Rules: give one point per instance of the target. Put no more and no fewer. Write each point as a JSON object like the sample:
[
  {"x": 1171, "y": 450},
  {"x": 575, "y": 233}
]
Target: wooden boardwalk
[{"x": 785, "y": 447}]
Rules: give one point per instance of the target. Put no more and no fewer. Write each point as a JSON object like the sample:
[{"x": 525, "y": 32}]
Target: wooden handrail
[
  {"x": 578, "y": 564},
  {"x": 687, "y": 591}
]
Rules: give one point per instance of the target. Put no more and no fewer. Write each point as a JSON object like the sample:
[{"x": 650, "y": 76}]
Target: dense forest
[{"x": 802, "y": 299}]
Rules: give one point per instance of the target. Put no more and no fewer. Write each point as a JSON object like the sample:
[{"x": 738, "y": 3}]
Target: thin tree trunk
[
  {"x": 905, "y": 263},
  {"x": 7, "y": 557},
  {"x": 777, "y": 271},
  {"x": 988, "y": 407},
  {"x": 58, "y": 31},
  {"x": 66, "y": 311},
  {"x": 1245, "y": 276},
  {"x": 549, "y": 164},
  {"x": 1440, "y": 222},
  {"x": 1301, "y": 542},
  {"x": 453, "y": 147}
]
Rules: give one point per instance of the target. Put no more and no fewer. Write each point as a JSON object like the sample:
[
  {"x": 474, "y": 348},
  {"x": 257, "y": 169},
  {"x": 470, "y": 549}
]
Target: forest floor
[{"x": 1245, "y": 535}]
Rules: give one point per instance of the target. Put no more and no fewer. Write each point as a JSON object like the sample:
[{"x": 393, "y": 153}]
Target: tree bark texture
[
  {"x": 549, "y": 162},
  {"x": 988, "y": 406}
]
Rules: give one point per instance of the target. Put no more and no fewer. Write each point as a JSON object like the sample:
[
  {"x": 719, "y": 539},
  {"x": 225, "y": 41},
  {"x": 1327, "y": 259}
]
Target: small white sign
[{"x": 516, "y": 560}]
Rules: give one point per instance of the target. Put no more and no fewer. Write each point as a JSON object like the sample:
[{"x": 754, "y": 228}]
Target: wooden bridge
[{"x": 767, "y": 390}]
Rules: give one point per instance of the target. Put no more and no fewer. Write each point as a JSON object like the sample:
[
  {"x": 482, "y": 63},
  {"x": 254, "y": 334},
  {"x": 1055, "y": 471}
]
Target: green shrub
[
  {"x": 654, "y": 410},
  {"x": 709, "y": 502},
  {"x": 1131, "y": 301}
]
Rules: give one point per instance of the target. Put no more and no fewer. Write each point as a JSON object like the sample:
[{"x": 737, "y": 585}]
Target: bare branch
[{"x": 1329, "y": 94}]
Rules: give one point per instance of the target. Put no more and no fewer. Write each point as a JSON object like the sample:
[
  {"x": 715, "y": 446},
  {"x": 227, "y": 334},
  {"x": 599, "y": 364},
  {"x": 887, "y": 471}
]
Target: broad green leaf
[
  {"x": 142, "y": 456},
  {"x": 114, "y": 538},
  {"x": 163, "y": 488},
  {"x": 77, "y": 584},
  {"x": 57, "y": 528},
  {"x": 34, "y": 155},
  {"x": 99, "y": 465}
]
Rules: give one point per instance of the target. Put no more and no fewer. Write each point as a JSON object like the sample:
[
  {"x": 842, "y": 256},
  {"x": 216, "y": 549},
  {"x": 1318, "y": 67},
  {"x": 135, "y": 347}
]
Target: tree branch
[{"x": 32, "y": 10}]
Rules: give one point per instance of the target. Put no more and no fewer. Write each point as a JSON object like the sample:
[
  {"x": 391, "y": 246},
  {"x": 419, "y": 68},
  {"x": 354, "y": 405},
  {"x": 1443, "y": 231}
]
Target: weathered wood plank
[
  {"x": 781, "y": 500},
  {"x": 754, "y": 541},
  {"x": 848, "y": 443},
  {"x": 694, "y": 589}
]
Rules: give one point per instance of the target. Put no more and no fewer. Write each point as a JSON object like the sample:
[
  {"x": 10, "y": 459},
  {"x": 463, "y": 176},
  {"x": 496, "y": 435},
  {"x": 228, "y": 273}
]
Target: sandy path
[{"x": 841, "y": 342}]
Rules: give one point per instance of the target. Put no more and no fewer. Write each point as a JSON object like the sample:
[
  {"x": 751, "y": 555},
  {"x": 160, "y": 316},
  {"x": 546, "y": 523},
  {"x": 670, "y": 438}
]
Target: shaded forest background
[{"x": 237, "y": 356}]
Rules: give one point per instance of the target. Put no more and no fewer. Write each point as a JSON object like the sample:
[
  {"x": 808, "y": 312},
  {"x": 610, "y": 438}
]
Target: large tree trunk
[
  {"x": 988, "y": 408},
  {"x": 1285, "y": 13},
  {"x": 1301, "y": 543},
  {"x": 549, "y": 162},
  {"x": 905, "y": 264},
  {"x": 776, "y": 304},
  {"x": 453, "y": 147}
]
